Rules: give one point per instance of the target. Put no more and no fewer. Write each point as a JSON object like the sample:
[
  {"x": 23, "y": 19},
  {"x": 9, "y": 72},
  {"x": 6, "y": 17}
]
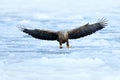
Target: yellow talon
[{"x": 68, "y": 46}]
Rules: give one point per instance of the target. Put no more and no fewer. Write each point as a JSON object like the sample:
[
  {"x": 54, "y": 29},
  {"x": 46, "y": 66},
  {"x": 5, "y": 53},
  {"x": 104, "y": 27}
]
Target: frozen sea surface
[{"x": 94, "y": 57}]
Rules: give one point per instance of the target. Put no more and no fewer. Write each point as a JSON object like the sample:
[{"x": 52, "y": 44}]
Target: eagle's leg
[
  {"x": 67, "y": 44},
  {"x": 60, "y": 44}
]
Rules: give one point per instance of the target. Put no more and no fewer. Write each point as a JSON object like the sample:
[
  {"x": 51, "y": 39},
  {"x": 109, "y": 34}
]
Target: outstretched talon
[{"x": 61, "y": 46}]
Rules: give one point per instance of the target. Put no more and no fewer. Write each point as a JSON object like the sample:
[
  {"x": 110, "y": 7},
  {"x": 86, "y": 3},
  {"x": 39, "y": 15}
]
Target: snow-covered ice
[{"x": 94, "y": 57}]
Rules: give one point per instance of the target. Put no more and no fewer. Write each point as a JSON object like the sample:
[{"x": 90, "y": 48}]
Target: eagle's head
[{"x": 62, "y": 36}]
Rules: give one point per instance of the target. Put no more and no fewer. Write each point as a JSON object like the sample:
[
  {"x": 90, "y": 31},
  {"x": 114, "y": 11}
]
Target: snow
[{"x": 94, "y": 57}]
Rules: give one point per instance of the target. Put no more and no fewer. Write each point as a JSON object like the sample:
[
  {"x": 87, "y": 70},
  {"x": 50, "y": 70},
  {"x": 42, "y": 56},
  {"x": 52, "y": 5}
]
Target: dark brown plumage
[{"x": 64, "y": 36}]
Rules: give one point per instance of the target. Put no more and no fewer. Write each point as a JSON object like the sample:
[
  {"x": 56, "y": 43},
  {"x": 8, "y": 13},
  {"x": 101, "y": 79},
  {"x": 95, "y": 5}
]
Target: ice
[
  {"x": 59, "y": 68},
  {"x": 94, "y": 57}
]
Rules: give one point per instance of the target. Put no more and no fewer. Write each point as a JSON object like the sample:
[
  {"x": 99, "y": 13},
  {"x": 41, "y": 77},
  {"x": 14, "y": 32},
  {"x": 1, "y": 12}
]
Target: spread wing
[
  {"x": 87, "y": 29},
  {"x": 40, "y": 34}
]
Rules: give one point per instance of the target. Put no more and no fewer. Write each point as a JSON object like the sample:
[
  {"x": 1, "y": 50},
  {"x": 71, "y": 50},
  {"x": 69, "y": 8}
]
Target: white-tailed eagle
[{"x": 64, "y": 36}]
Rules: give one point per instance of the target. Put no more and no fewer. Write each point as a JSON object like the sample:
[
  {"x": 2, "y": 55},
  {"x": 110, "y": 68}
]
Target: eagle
[{"x": 63, "y": 36}]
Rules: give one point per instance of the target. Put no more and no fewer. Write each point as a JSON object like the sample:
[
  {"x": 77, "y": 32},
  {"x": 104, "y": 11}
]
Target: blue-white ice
[{"x": 95, "y": 57}]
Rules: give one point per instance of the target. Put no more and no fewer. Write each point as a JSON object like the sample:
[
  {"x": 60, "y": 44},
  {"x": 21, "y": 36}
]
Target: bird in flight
[{"x": 64, "y": 36}]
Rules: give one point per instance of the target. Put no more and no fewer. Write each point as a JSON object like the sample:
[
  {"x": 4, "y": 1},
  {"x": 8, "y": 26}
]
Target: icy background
[{"x": 95, "y": 57}]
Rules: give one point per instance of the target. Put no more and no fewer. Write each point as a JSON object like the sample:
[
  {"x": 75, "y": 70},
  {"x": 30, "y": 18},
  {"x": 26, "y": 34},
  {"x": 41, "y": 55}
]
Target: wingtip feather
[
  {"x": 103, "y": 22},
  {"x": 20, "y": 27}
]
